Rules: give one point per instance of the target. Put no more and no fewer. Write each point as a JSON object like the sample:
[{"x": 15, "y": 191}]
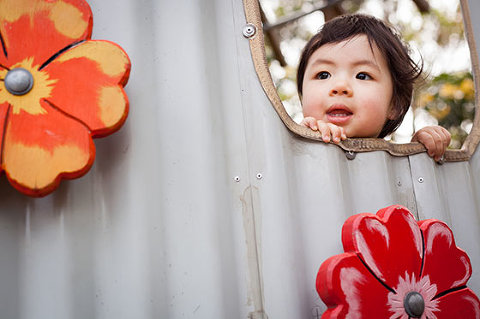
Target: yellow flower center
[{"x": 29, "y": 102}]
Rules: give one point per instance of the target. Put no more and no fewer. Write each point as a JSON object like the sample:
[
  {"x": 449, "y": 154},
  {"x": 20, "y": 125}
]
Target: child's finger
[
  {"x": 309, "y": 122},
  {"x": 446, "y": 136},
  {"x": 427, "y": 140},
  {"x": 439, "y": 147},
  {"x": 344, "y": 135},
  {"x": 324, "y": 129},
  {"x": 336, "y": 132}
]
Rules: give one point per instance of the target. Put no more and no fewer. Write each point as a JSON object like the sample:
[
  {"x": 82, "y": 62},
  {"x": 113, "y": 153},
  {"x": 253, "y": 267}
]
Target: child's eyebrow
[
  {"x": 322, "y": 61},
  {"x": 367, "y": 62}
]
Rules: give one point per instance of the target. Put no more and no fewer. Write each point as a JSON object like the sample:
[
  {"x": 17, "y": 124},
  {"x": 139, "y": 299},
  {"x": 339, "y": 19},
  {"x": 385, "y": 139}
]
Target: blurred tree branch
[
  {"x": 330, "y": 11},
  {"x": 422, "y": 5}
]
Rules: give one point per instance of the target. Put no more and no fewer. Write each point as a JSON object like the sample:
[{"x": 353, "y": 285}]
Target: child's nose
[{"x": 341, "y": 88}]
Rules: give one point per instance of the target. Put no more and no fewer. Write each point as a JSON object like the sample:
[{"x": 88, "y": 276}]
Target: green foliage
[{"x": 450, "y": 98}]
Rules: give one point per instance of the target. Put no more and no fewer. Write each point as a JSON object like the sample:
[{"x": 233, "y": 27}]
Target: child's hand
[
  {"x": 329, "y": 131},
  {"x": 435, "y": 139}
]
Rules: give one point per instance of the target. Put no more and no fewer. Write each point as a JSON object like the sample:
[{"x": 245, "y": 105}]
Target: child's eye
[
  {"x": 323, "y": 75},
  {"x": 363, "y": 76}
]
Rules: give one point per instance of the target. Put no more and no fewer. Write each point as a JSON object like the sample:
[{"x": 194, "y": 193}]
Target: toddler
[{"x": 355, "y": 79}]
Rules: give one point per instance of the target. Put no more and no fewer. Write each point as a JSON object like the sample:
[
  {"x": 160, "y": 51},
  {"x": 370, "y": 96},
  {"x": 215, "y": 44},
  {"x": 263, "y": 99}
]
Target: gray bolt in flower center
[
  {"x": 19, "y": 81},
  {"x": 414, "y": 304}
]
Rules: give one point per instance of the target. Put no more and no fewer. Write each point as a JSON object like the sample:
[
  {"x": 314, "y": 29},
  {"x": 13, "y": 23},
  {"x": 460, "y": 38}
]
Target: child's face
[{"x": 349, "y": 84}]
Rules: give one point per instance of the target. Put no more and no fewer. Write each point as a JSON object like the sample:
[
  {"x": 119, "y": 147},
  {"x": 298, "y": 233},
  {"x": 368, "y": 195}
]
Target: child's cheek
[
  {"x": 312, "y": 102},
  {"x": 311, "y": 107},
  {"x": 376, "y": 111}
]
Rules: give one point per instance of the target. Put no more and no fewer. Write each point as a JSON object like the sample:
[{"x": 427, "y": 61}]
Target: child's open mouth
[{"x": 339, "y": 114}]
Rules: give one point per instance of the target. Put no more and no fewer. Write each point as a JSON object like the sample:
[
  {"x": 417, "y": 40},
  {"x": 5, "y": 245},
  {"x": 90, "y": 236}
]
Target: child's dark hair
[{"x": 403, "y": 69}]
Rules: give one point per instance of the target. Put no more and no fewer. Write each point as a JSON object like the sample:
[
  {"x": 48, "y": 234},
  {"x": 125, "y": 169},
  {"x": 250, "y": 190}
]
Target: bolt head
[
  {"x": 414, "y": 304},
  {"x": 350, "y": 155},
  {"x": 18, "y": 81}
]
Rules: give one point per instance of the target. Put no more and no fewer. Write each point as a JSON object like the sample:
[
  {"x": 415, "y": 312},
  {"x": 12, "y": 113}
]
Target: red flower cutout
[
  {"x": 395, "y": 267},
  {"x": 58, "y": 90}
]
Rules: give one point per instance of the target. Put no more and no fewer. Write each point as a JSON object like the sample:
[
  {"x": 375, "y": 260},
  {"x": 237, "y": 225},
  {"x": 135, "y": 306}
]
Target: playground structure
[{"x": 205, "y": 204}]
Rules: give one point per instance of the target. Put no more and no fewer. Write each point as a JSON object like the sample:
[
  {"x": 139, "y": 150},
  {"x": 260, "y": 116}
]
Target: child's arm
[
  {"x": 329, "y": 131},
  {"x": 435, "y": 139}
]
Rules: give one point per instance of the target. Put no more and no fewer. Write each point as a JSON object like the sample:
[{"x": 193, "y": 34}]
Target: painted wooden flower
[
  {"x": 394, "y": 267},
  {"x": 58, "y": 90}
]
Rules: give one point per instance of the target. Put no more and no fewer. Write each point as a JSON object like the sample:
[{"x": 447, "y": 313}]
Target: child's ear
[{"x": 392, "y": 113}]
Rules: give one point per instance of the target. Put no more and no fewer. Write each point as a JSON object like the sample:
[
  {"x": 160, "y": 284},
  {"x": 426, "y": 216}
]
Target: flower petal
[
  {"x": 390, "y": 243},
  {"x": 90, "y": 85},
  {"x": 41, "y": 149},
  {"x": 3, "y": 116},
  {"x": 459, "y": 304},
  {"x": 349, "y": 290},
  {"x": 447, "y": 265},
  {"x": 41, "y": 28}
]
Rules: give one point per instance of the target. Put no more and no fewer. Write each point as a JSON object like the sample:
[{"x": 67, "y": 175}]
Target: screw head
[
  {"x": 236, "y": 179},
  {"x": 350, "y": 155},
  {"x": 259, "y": 176},
  {"x": 18, "y": 81},
  {"x": 249, "y": 30},
  {"x": 420, "y": 179}
]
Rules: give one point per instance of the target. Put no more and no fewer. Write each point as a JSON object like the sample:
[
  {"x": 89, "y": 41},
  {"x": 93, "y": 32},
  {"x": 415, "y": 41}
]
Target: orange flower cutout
[{"x": 58, "y": 90}]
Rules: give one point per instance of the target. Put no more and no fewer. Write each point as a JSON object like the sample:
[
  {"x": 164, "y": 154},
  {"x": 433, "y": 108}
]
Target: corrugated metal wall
[{"x": 204, "y": 205}]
